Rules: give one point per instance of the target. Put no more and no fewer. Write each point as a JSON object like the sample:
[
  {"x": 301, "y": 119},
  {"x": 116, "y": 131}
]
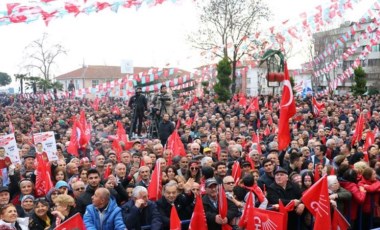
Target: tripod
[{"x": 152, "y": 131}]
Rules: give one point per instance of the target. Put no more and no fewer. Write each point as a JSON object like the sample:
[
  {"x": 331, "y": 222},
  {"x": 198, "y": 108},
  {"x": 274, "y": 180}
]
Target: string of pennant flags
[{"x": 47, "y": 10}]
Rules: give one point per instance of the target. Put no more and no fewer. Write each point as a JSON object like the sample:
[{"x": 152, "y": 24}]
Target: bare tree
[
  {"x": 41, "y": 55},
  {"x": 225, "y": 25}
]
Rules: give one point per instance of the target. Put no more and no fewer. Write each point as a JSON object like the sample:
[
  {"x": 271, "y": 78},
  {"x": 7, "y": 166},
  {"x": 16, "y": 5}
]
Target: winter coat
[
  {"x": 372, "y": 198},
  {"x": 112, "y": 218},
  {"x": 134, "y": 218},
  {"x": 358, "y": 198},
  {"x": 37, "y": 223},
  {"x": 84, "y": 200}
]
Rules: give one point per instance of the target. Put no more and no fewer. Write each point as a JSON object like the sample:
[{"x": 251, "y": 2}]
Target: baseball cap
[
  {"x": 207, "y": 149},
  {"x": 281, "y": 170},
  {"x": 210, "y": 182},
  {"x": 4, "y": 189},
  {"x": 60, "y": 184}
]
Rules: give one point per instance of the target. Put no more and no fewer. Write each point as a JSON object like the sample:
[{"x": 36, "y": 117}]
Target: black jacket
[
  {"x": 84, "y": 200},
  {"x": 135, "y": 218},
  {"x": 36, "y": 223},
  {"x": 165, "y": 129},
  {"x": 139, "y": 101},
  {"x": 181, "y": 203},
  {"x": 211, "y": 211}
]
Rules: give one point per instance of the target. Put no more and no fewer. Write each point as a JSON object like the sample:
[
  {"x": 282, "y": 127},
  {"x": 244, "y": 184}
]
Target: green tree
[
  {"x": 56, "y": 86},
  {"x": 359, "y": 88},
  {"x": 44, "y": 85},
  {"x": 21, "y": 78},
  {"x": 227, "y": 29},
  {"x": 205, "y": 85},
  {"x": 5, "y": 79},
  {"x": 222, "y": 87},
  {"x": 32, "y": 83}
]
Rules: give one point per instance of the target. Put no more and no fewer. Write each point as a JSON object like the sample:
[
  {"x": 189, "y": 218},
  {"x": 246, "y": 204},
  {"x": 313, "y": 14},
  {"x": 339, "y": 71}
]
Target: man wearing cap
[
  {"x": 139, "y": 104},
  {"x": 287, "y": 191},
  {"x": 210, "y": 204}
]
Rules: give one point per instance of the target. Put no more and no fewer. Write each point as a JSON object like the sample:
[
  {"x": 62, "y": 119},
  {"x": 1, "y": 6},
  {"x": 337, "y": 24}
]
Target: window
[{"x": 94, "y": 83}]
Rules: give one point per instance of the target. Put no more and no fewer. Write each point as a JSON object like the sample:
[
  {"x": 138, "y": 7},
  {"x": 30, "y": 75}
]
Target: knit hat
[{"x": 27, "y": 197}]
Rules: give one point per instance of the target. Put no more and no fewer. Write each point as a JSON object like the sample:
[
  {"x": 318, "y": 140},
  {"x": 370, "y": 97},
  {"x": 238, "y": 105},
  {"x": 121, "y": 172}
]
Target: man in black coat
[
  {"x": 172, "y": 198},
  {"x": 138, "y": 103},
  {"x": 287, "y": 192},
  {"x": 165, "y": 129},
  {"x": 93, "y": 179},
  {"x": 139, "y": 211},
  {"x": 210, "y": 204}
]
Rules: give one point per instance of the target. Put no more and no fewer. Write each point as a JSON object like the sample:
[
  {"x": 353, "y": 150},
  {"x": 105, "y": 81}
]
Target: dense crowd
[{"x": 111, "y": 193}]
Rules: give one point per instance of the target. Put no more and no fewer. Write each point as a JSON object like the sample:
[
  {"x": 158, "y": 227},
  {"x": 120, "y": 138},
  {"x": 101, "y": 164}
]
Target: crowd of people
[{"x": 215, "y": 136}]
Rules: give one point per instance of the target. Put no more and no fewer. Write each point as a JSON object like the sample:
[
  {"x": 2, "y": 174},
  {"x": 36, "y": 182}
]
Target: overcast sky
[{"x": 149, "y": 36}]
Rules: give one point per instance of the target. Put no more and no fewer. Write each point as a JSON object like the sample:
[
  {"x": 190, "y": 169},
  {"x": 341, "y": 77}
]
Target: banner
[
  {"x": 49, "y": 146},
  {"x": 8, "y": 142}
]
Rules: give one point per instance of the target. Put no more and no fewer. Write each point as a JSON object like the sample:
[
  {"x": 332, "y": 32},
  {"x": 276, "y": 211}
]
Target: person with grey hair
[
  {"x": 139, "y": 211},
  {"x": 172, "y": 198},
  {"x": 338, "y": 195},
  {"x": 103, "y": 213},
  {"x": 206, "y": 161}
]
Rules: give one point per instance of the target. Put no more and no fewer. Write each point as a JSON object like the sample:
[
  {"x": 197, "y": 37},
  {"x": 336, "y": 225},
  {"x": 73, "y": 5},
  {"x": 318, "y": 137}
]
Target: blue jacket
[
  {"x": 135, "y": 218},
  {"x": 112, "y": 219}
]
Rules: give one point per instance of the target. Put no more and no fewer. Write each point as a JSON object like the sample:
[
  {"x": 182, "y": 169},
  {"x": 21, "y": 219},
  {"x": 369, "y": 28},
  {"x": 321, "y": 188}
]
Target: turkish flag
[
  {"x": 175, "y": 222},
  {"x": 317, "y": 201},
  {"x": 287, "y": 110},
  {"x": 175, "y": 144},
  {"x": 358, "y": 129},
  {"x": 95, "y": 105},
  {"x": 317, "y": 107},
  {"x": 198, "y": 219},
  {"x": 249, "y": 159},
  {"x": 267, "y": 131},
  {"x": 116, "y": 146},
  {"x": 254, "y": 106},
  {"x": 246, "y": 221},
  {"x": 43, "y": 177},
  {"x": 338, "y": 221},
  {"x": 155, "y": 185},
  {"x": 86, "y": 128},
  {"x": 223, "y": 207},
  {"x": 236, "y": 171},
  {"x": 74, "y": 222},
  {"x": 243, "y": 100}
]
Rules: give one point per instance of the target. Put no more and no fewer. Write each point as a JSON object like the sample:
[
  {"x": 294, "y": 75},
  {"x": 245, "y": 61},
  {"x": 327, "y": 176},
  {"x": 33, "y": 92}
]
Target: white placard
[
  {"x": 8, "y": 142},
  {"x": 49, "y": 145}
]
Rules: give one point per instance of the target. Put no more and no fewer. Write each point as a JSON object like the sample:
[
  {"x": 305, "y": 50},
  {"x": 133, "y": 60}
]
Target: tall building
[{"x": 331, "y": 45}]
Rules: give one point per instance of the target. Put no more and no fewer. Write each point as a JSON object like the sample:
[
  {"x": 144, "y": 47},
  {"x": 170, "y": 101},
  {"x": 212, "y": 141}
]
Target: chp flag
[{"x": 47, "y": 139}]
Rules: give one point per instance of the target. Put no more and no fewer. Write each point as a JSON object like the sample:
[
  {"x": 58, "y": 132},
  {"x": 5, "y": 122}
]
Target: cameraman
[
  {"x": 163, "y": 102},
  {"x": 138, "y": 104}
]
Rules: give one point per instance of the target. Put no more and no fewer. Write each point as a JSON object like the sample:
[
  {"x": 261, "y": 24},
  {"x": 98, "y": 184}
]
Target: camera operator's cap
[
  {"x": 210, "y": 181},
  {"x": 4, "y": 189},
  {"x": 61, "y": 184},
  {"x": 280, "y": 170},
  {"x": 207, "y": 149}
]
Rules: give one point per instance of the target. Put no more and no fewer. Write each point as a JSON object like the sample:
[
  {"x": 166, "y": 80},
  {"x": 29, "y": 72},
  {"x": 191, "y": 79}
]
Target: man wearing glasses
[{"x": 78, "y": 188}]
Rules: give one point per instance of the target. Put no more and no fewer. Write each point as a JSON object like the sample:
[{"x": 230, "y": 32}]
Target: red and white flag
[
  {"x": 254, "y": 106},
  {"x": 236, "y": 172},
  {"x": 317, "y": 201},
  {"x": 339, "y": 222},
  {"x": 287, "y": 110},
  {"x": 175, "y": 222},
  {"x": 198, "y": 219},
  {"x": 317, "y": 107}
]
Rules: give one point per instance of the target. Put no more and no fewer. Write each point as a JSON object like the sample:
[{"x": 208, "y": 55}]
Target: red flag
[
  {"x": 246, "y": 220},
  {"x": 268, "y": 105},
  {"x": 74, "y": 144},
  {"x": 223, "y": 207},
  {"x": 249, "y": 159},
  {"x": 358, "y": 129},
  {"x": 175, "y": 222},
  {"x": 116, "y": 110},
  {"x": 86, "y": 128},
  {"x": 284, "y": 210},
  {"x": 287, "y": 110},
  {"x": 218, "y": 150},
  {"x": 243, "y": 100},
  {"x": 95, "y": 105},
  {"x": 198, "y": 219},
  {"x": 154, "y": 188},
  {"x": 317, "y": 201},
  {"x": 254, "y": 106},
  {"x": 116, "y": 146},
  {"x": 107, "y": 172},
  {"x": 236, "y": 171},
  {"x": 317, "y": 176},
  {"x": 265, "y": 219},
  {"x": 369, "y": 140},
  {"x": 267, "y": 131},
  {"x": 74, "y": 222},
  {"x": 43, "y": 177},
  {"x": 317, "y": 107},
  {"x": 338, "y": 221},
  {"x": 175, "y": 144}
]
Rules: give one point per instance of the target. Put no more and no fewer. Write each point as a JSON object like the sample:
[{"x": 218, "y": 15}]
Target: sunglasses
[{"x": 192, "y": 168}]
